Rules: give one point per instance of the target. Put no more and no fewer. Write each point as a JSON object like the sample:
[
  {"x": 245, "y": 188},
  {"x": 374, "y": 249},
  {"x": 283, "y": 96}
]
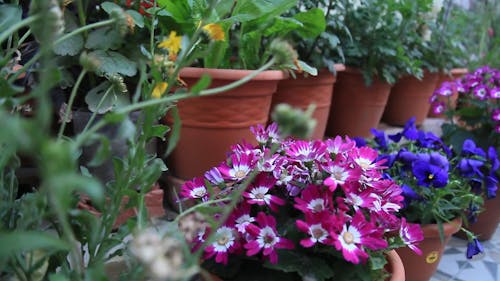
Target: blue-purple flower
[
  {"x": 474, "y": 247},
  {"x": 431, "y": 170},
  {"x": 470, "y": 147}
]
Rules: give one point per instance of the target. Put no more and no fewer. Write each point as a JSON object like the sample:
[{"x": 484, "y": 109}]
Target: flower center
[
  {"x": 317, "y": 233},
  {"x": 239, "y": 174},
  {"x": 223, "y": 240},
  {"x": 431, "y": 176},
  {"x": 259, "y": 195},
  {"x": 348, "y": 237},
  {"x": 268, "y": 239}
]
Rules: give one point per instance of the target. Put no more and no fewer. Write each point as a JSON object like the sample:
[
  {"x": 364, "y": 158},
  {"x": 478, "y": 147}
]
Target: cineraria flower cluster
[
  {"x": 303, "y": 195},
  {"x": 438, "y": 183},
  {"x": 478, "y": 98}
]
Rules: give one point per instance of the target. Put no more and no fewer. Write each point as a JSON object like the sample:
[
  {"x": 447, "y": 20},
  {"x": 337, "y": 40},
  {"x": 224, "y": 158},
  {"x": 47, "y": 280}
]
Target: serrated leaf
[
  {"x": 20, "y": 241},
  {"x": 138, "y": 18},
  {"x": 104, "y": 38},
  {"x": 113, "y": 62},
  {"x": 69, "y": 47}
]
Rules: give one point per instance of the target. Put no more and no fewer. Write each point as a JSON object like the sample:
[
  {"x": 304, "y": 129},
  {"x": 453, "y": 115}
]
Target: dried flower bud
[
  {"x": 146, "y": 246},
  {"x": 89, "y": 62},
  {"x": 283, "y": 52},
  {"x": 117, "y": 82},
  {"x": 191, "y": 225},
  {"x": 122, "y": 23},
  {"x": 293, "y": 121}
]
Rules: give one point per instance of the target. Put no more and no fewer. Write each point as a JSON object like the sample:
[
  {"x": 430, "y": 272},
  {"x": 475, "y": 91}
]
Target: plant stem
[
  {"x": 6, "y": 34},
  {"x": 70, "y": 103},
  {"x": 206, "y": 92},
  {"x": 81, "y": 13},
  {"x": 195, "y": 207},
  {"x": 82, "y": 29},
  {"x": 92, "y": 117}
]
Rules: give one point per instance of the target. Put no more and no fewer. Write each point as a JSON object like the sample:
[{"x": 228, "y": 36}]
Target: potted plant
[
  {"x": 370, "y": 46},
  {"x": 440, "y": 187},
  {"x": 298, "y": 209},
  {"x": 318, "y": 49},
  {"x": 477, "y": 116},
  {"x": 237, "y": 40}
]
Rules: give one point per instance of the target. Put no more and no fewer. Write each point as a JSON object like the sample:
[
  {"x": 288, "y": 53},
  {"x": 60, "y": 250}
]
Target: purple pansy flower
[
  {"x": 474, "y": 248},
  {"x": 469, "y": 147}
]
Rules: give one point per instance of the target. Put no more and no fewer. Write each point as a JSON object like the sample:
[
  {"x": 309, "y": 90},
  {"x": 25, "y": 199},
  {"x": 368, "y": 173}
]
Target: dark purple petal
[
  {"x": 470, "y": 147},
  {"x": 380, "y": 138},
  {"x": 360, "y": 142},
  {"x": 491, "y": 184}
]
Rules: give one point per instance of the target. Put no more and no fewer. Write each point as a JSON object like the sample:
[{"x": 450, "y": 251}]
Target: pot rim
[{"x": 231, "y": 74}]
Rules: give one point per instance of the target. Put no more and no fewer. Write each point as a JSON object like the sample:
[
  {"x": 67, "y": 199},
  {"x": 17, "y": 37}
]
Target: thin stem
[
  {"x": 206, "y": 92},
  {"x": 25, "y": 67},
  {"x": 94, "y": 114},
  {"x": 195, "y": 207},
  {"x": 6, "y": 34},
  {"x": 70, "y": 103},
  {"x": 25, "y": 36},
  {"x": 81, "y": 13},
  {"x": 82, "y": 29}
]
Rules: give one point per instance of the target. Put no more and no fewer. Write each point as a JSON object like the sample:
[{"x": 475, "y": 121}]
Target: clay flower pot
[
  {"x": 455, "y": 74},
  {"x": 303, "y": 91},
  {"x": 421, "y": 268},
  {"x": 410, "y": 98},
  {"x": 487, "y": 221},
  {"x": 211, "y": 124},
  {"x": 356, "y": 108}
]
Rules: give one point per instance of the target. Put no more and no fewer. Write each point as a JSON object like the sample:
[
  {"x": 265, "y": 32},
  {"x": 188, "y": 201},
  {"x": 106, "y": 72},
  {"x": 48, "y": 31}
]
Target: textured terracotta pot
[
  {"x": 356, "y": 108},
  {"x": 153, "y": 200},
  {"x": 487, "y": 221},
  {"x": 410, "y": 98},
  {"x": 421, "y": 268},
  {"x": 212, "y": 124},
  {"x": 303, "y": 91},
  {"x": 454, "y": 74}
]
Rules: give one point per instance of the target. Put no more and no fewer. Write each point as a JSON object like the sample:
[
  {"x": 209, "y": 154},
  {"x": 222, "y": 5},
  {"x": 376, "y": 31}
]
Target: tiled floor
[{"x": 455, "y": 266}]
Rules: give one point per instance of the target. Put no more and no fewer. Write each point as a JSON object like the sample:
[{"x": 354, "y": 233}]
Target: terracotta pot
[
  {"x": 212, "y": 124},
  {"x": 410, "y": 98},
  {"x": 356, "y": 108},
  {"x": 153, "y": 200},
  {"x": 487, "y": 221},
  {"x": 421, "y": 268},
  {"x": 454, "y": 74},
  {"x": 303, "y": 91},
  {"x": 394, "y": 266}
]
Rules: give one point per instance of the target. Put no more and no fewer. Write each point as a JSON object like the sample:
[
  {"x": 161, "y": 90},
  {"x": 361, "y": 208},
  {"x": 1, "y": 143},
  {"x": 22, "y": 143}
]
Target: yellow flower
[
  {"x": 214, "y": 31},
  {"x": 159, "y": 89},
  {"x": 172, "y": 43}
]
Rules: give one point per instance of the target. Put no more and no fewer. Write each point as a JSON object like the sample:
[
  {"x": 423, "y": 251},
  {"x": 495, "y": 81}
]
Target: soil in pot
[{"x": 421, "y": 268}]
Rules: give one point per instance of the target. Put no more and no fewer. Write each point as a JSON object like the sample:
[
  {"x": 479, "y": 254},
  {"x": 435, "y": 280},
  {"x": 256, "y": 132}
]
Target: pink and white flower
[
  {"x": 305, "y": 150},
  {"x": 317, "y": 226},
  {"x": 266, "y": 239},
  {"x": 340, "y": 172},
  {"x": 225, "y": 242},
  {"x": 239, "y": 167},
  {"x": 195, "y": 189},
  {"x": 411, "y": 235},
  {"x": 313, "y": 200},
  {"x": 259, "y": 192}
]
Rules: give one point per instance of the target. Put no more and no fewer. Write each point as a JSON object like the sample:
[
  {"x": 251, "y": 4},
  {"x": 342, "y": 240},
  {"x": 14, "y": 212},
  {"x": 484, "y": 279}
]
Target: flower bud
[
  {"x": 283, "y": 52},
  {"x": 117, "y": 82},
  {"x": 293, "y": 122},
  {"x": 122, "y": 21},
  {"x": 89, "y": 62}
]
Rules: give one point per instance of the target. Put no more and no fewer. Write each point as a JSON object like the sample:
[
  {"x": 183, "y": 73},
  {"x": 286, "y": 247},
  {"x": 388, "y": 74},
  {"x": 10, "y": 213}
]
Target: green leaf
[
  {"x": 113, "y": 62},
  {"x": 127, "y": 129},
  {"x": 202, "y": 84},
  {"x": 108, "y": 7},
  {"x": 180, "y": 11},
  {"x": 19, "y": 241},
  {"x": 104, "y": 38},
  {"x": 58, "y": 277},
  {"x": 102, "y": 154},
  {"x": 9, "y": 15},
  {"x": 313, "y": 23},
  {"x": 305, "y": 265},
  {"x": 248, "y": 10},
  {"x": 159, "y": 131},
  {"x": 74, "y": 44},
  {"x": 104, "y": 98},
  {"x": 113, "y": 117},
  {"x": 307, "y": 68},
  {"x": 176, "y": 131},
  {"x": 138, "y": 18},
  {"x": 281, "y": 26}
]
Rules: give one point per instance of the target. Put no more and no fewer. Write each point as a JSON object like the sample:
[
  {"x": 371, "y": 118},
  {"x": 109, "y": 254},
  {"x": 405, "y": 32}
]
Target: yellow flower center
[
  {"x": 431, "y": 176},
  {"x": 317, "y": 233},
  {"x": 239, "y": 174},
  {"x": 348, "y": 237},
  {"x": 214, "y": 31},
  {"x": 223, "y": 240}
]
